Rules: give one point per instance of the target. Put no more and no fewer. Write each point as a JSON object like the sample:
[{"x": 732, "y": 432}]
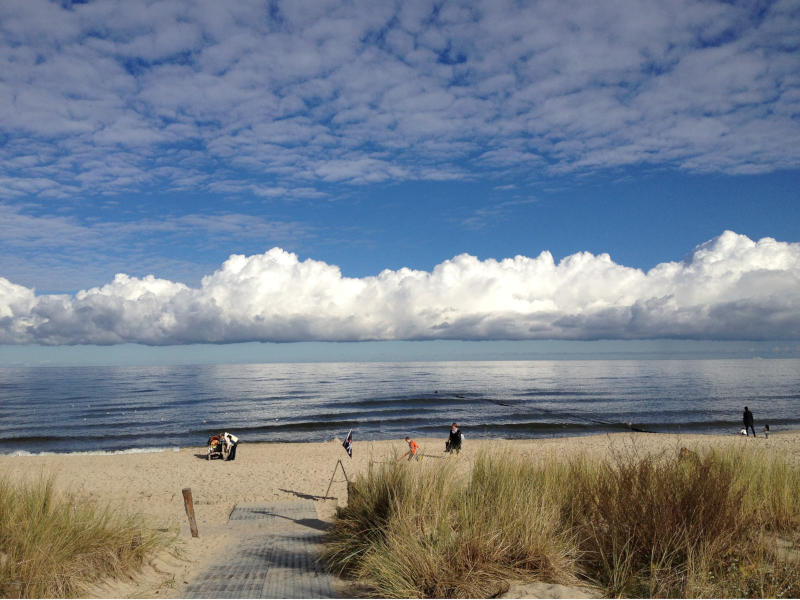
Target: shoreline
[
  {"x": 509, "y": 440},
  {"x": 150, "y": 483}
]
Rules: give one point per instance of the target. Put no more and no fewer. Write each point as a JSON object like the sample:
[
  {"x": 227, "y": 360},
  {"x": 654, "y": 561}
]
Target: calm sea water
[{"x": 107, "y": 409}]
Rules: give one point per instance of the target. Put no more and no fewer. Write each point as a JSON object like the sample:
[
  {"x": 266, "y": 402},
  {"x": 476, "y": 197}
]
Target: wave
[
  {"x": 94, "y": 452},
  {"x": 97, "y": 411}
]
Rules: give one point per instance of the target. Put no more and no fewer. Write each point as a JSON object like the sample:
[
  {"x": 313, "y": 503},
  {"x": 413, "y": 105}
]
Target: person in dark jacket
[
  {"x": 748, "y": 422},
  {"x": 229, "y": 443},
  {"x": 453, "y": 444}
]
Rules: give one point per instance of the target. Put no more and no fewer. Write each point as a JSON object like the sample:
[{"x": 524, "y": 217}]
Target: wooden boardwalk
[{"x": 276, "y": 557}]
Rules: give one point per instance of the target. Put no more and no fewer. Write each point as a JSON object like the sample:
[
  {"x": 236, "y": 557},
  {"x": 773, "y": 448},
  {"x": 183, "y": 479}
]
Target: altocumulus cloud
[
  {"x": 728, "y": 288},
  {"x": 284, "y": 98}
]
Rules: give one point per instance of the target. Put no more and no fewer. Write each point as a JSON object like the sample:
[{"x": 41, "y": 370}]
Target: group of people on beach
[
  {"x": 456, "y": 437},
  {"x": 453, "y": 444}
]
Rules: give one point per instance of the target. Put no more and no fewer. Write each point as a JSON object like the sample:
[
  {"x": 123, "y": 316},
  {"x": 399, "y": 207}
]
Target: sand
[{"x": 151, "y": 484}]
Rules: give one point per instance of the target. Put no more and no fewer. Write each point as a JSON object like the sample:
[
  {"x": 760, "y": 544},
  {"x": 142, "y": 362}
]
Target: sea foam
[{"x": 95, "y": 452}]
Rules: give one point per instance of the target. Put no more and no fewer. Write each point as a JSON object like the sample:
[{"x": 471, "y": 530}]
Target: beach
[{"x": 151, "y": 483}]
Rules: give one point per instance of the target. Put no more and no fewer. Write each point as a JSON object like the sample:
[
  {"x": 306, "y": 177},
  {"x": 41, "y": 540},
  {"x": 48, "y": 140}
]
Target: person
[
  {"x": 453, "y": 444},
  {"x": 230, "y": 442},
  {"x": 748, "y": 422},
  {"x": 413, "y": 448},
  {"x": 766, "y": 430}
]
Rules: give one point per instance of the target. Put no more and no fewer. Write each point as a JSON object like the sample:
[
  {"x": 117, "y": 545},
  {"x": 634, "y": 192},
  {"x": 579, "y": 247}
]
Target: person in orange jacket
[{"x": 413, "y": 448}]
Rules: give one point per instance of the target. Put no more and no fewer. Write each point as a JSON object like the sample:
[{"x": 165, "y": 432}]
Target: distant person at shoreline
[
  {"x": 413, "y": 448},
  {"x": 766, "y": 430},
  {"x": 748, "y": 422},
  {"x": 453, "y": 444},
  {"x": 231, "y": 441}
]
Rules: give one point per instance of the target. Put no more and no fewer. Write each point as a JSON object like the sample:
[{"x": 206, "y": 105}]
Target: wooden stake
[{"x": 189, "y": 506}]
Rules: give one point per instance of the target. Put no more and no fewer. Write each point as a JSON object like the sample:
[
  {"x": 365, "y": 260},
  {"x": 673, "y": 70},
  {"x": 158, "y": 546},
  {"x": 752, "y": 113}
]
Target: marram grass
[
  {"x": 54, "y": 546},
  {"x": 698, "y": 524}
]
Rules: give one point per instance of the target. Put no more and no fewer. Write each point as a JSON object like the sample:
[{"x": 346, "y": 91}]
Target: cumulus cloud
[
  {"x": 103, "y": 97},
  {"x": 728, "y": 288}
]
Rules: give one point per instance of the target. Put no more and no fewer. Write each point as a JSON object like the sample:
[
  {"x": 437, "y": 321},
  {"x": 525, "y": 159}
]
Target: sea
[{"x": 161, "y": 408}]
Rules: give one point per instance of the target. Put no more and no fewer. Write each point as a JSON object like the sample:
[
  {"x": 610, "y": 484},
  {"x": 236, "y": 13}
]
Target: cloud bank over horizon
[
  {"x": 729, "y": 288},
  {"x": 282, "y": 99}
]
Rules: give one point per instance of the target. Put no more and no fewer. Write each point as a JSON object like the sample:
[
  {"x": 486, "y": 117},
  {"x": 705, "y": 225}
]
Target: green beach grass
[
  {"x": 702, "y": 523},
  {"x": 54, "y": 546}
]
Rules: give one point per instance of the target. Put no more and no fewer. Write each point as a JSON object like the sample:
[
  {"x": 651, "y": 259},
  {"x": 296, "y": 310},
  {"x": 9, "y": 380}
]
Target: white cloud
[
  {"x": 284, "y": 94},
  {"x": 728, "y": 288}
]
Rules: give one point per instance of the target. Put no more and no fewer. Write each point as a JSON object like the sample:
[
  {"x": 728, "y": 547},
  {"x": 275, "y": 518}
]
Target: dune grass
[
  {"x": 705, "y": 524},
  {"x": 53, "y": 546}
]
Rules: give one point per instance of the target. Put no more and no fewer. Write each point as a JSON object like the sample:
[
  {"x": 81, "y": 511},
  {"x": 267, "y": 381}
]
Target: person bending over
[
  {"x": 229, "y": 442},
  {"x": 413, "y": 448}
]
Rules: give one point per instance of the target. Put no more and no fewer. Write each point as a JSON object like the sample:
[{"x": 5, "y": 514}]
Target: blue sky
[{"x": 176, "y": 174}]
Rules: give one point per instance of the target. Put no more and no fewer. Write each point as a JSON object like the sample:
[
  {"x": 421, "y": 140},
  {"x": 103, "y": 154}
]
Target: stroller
[{"x": 222, "y": 446}]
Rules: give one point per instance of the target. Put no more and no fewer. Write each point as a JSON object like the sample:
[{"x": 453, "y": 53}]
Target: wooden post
[{"x": 189, "y": 506}]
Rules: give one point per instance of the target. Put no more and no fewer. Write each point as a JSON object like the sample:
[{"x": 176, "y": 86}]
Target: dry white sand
[{"x": 151, "y": 483}]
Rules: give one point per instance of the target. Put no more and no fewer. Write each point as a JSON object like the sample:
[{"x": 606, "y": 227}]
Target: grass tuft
[
  {"x": 53, "y": 547},
  {"x": 688, "y": 524}
]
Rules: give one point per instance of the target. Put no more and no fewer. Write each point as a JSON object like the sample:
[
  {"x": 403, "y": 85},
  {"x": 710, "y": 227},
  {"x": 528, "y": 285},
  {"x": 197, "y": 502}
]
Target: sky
[{"x": 316, "y": 180}]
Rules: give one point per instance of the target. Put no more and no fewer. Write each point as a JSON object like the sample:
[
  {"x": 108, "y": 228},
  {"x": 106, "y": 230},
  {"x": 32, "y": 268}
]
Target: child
[{"x": 413, "y": 447}]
